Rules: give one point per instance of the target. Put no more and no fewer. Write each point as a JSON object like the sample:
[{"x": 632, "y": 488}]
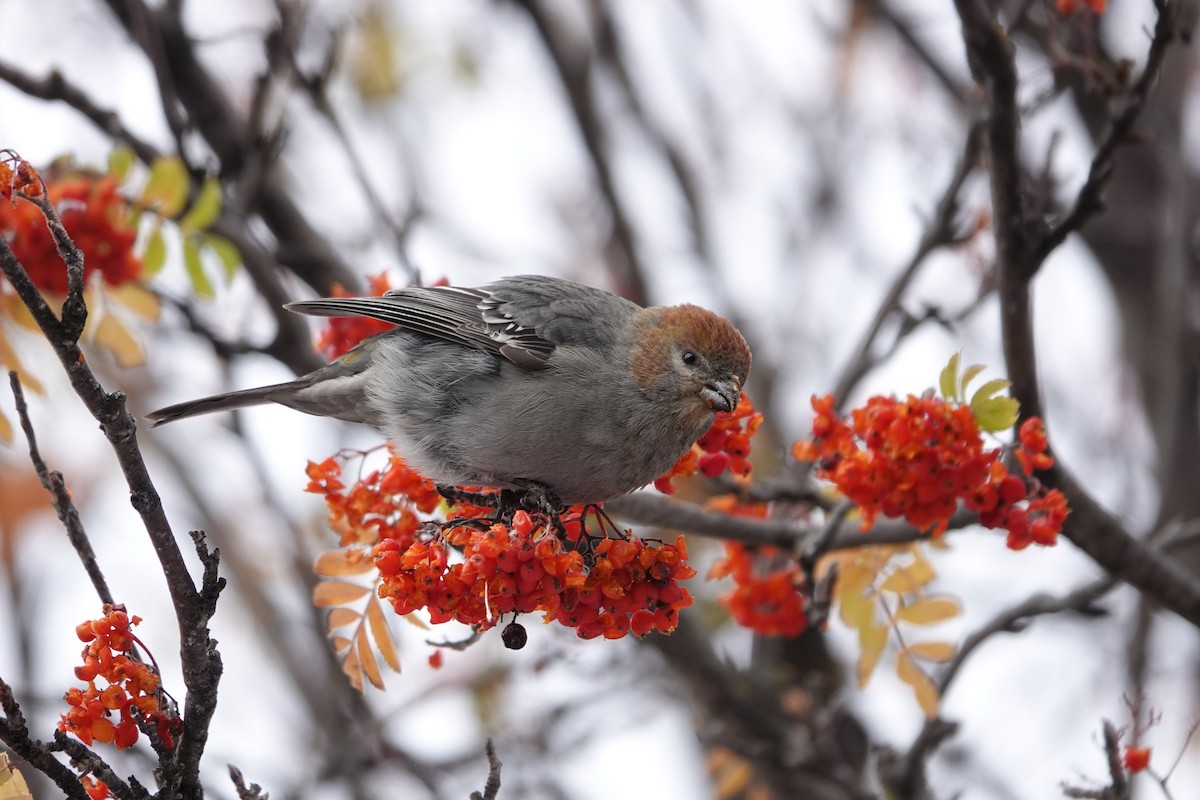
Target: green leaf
[
  {"x": 120, "y": 161},
  {"x": 154, "y": 255},
  {"x": 226, "y": 251},
  {"x": 194, "y": 265},
  {"x": 995, "y": 414},
  {"x": 167, "y": 188},
  {"x": 206, "y": 208},
  {"x": 988, "y": 390},
  {"x": 948, "y": 381},
  {"x": 970, "y": 374}
]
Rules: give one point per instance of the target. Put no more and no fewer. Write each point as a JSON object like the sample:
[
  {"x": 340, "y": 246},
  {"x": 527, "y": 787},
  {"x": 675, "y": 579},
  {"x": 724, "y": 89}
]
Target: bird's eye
[{"x": 688, "y": 357}]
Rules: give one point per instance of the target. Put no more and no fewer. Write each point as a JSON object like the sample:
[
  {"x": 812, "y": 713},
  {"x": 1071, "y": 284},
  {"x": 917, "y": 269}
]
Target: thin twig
[
  {"x": 492, "y": 787},
  {"x": 61, "y": 498},
  {"x": 15, "y": 734}
]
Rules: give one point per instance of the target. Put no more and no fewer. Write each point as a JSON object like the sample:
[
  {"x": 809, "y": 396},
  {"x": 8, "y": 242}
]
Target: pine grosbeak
[{"x": 528, "y": 382}]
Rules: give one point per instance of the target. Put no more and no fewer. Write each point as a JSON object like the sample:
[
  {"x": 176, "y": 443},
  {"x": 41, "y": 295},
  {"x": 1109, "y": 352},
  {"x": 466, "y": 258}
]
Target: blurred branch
[
  {"x": 55, "y": 87},
  {"x": 904, "y": 30},
  {"x": 491, "y": 788},
  {"x": 906, "y": 776},
  {"x": 1018, "y": 256},
  {"x": 1089, "y": 202},
  {"x": 941, "y": 230},
  {"x": 1118, "y": 787},
  {"x": 573, "y": 63},
  {"x": 14, "y": 732},
  {"x": 193, "y": 606},
  {"x": 61, "y": 498},
  {"x": 658, "y": 511}
]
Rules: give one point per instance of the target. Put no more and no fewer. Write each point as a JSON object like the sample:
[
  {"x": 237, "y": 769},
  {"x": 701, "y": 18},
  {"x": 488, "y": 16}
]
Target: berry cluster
[
  {"x": 918, "y": 458},
  {"x": 342, "y": 334},
  {"x": 622, "y": 585},
  {"x": 132, "y": 691},
  {"x": 1068, "y": 7},
  {"x": 768, "y": 600},
  {"x": 726, "y": 446},
  {"x": 381, "y": 505},
  {"x": 93, "y": 212}
]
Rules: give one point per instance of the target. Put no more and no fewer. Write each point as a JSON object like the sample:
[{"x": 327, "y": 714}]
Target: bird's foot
[{"x": 534, "y": 498}]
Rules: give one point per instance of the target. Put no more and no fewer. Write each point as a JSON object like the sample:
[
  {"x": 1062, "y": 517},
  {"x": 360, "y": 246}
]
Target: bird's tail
[{"x": 225, "y": 402}]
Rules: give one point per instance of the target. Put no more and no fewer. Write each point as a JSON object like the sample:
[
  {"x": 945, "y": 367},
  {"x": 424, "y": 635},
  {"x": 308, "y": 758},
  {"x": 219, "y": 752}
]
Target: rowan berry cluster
[
  {"x": 607, "y": 587},
  {"x": 342, "y": 334},
  {"x": 383, "y": 504},
  {"x": 726, "y": 446},
  {"x": 94, "y": 213},
  {"x": 1068, "y": 7},
  {"x": 918, "y": 458},
  {"x": 766, "y": 597},
  {"x": 130, "y": 689}
]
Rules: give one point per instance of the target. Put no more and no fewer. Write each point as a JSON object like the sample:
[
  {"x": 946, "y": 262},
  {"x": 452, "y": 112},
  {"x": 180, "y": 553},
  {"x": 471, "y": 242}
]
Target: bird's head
[{"x": 689, "y": 356}]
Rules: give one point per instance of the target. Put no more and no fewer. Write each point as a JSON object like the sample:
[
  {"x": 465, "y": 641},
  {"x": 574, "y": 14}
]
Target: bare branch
[{"x": 63, "y": 505}]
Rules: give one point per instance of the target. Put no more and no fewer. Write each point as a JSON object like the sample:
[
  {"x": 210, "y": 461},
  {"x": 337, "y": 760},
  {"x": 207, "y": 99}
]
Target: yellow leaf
[
  {"x": 933, "y": 651},
  {"x": 337, "y": 593},
  {"x": 369, "y": 665},
  {"x": 9, "y": 360},
  {"x": 353, "y": 669},
  {"x": 138, "y": 299},
  {"x": 342, "y": 563},
  {"x": 929, "y": 610},
  {"x": 910, "y": 578},
  {"x": 6, "y": 429},
  {"x": 193, "y": 265},
  {"x": 858, "y": 611},
  {"x": 853, "y": 577},
  {"x": 923, "y": 687},
  {"x": 948, "y": 380},
  {"x": 733, "y": 780},
  {"x": 12, "y": 783},
  {"x": 167, "y": 188},
  {"x": 13, "y": 308},
  {"x": 154, "y": 253},
  {"x": 226, "y": 251},
  {"x": 341, "y": 617},
  {"x": 970, "y": 374},
  {"x": 382, "y": 634},
  {"x": 120, "y": 161},
  {"x": 871, "y": 641},
  {"x": 111, "y": 334},
  {"x": 416, "y": 622},
  {"x": 207, "y": 207}
]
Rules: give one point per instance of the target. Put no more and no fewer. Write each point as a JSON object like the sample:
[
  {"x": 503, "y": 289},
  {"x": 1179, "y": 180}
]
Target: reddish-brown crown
[{"x": 663, "y": 331}]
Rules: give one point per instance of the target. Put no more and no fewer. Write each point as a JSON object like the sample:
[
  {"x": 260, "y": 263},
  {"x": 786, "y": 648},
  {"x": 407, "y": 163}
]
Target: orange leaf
[
  {"x": 933, "y": 651},
  {"x": 367, "y": 657},
  {"x": 929, "y": 610},
  {"x": 382, "y": 634},
  {"x": 871, "y": 640},
  {"x": 353, "y": 669},
  {"x": 138, "y": 299},
  {"x": 340, "y": 644},
  {"x": 337, "y": 593},
  {"x": 6, "y": 429},
  {"x": 343, "y": 563},
  {"x": 340, "y": 617},
  {"x": 9, "y": 360},
  {"x": 923, "y": 687}
]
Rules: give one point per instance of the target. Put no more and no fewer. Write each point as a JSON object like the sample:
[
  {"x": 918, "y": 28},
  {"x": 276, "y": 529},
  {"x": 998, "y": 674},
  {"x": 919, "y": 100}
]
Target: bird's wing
[{"x": 473, "y": 317}]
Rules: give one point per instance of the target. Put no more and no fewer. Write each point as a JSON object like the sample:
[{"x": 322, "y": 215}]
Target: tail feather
[{"x": 223, "y": 402}]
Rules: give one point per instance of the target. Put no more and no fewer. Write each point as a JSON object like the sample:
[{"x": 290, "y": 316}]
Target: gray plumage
[{"x": 528, "y": 380}]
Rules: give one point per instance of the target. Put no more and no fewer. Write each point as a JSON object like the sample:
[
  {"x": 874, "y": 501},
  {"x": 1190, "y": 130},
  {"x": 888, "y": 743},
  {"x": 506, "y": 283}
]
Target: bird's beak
[{"x": 722, "y": 395}]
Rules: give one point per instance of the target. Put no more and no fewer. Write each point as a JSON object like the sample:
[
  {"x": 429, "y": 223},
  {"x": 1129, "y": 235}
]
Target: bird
[{"x": 529, "y": 383}]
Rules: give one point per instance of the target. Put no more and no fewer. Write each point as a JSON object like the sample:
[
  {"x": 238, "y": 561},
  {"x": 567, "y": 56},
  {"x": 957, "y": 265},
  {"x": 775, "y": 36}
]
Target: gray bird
[{"x": 527, "y": 382}]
